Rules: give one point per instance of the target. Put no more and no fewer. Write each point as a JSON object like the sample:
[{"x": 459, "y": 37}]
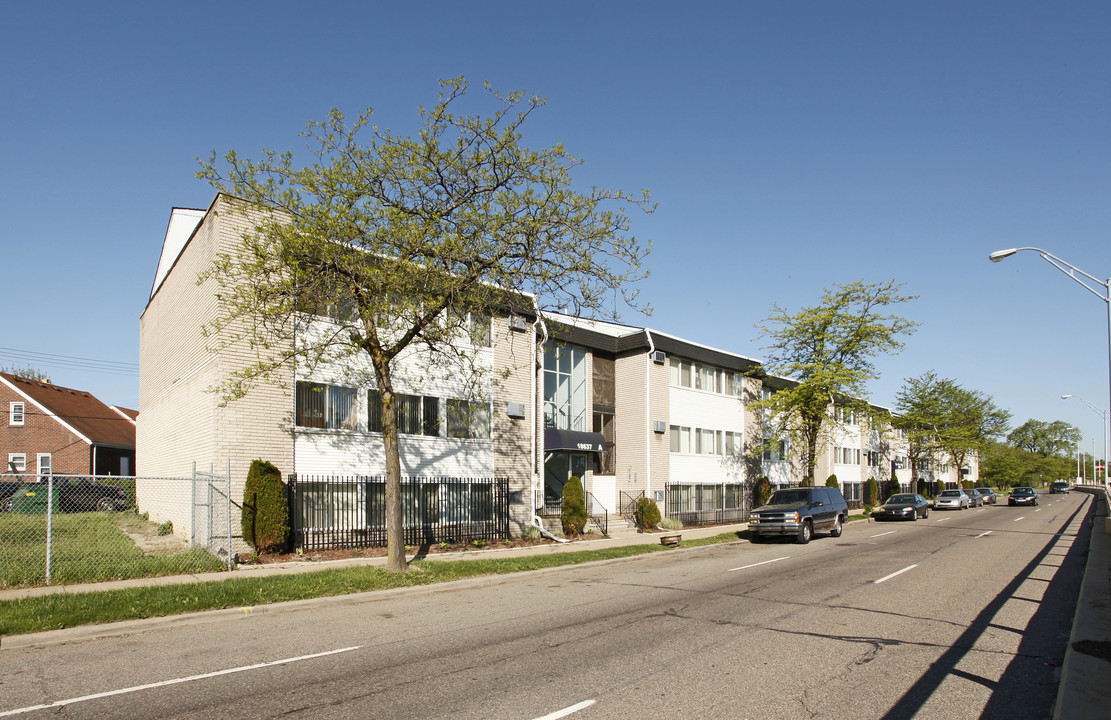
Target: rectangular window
[
  {"x": 565, "y": 384},
  {"x": 17, "y": 462},
  {"x": 466, "y": 419},
  {"x": 341, "y": 408},
  {"x": 707, "y": 442},
  {"x": 680, "y": 372},
  {"x": 680, "y": 439},
  {"x": 46, "y": 463},
  {"x": 374, "y": 414},
  {"x": 479, "y": 327},
  {"x": 409, "y": 414},
  {"x": 775, "y": 450},
  {"x": 312, "y": 399},
  {"x": 15, "y": 413},
  {"x": 326, "y": 406},
  {"x": 733, "y": 443}
]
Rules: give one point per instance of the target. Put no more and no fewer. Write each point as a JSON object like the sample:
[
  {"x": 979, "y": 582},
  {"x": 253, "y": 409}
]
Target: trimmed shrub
[
  {"x": 871, "y": 492},
  {"x": 647, "y": 514},
  {"x": 573, "y": 515},
  {"x": 761, "y": 491},
  {"x": 670, "y": 523},
  {"x": 922, "y": 487},
  {"x": 891, "y": 487},
  {"x": 938, "y": 487},
  {"x": 831, "y": 481},
  {"x": 265, "y": 508},
  {"x": 807, "y": 482}
]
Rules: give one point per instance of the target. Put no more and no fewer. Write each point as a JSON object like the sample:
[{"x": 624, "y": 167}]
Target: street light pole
[
  {"x": 1102, "y": 414},
  {"x": 1074, "y": 272}
]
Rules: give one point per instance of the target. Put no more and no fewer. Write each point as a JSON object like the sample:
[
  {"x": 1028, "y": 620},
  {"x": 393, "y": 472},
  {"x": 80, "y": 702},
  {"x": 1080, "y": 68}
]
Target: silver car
[{"x": 952, "y": 500}]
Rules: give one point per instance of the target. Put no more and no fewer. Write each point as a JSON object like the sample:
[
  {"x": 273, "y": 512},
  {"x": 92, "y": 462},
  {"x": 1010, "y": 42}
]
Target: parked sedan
[
  {"x": 975, "y": 499},
  {"x": 1023, "y": 496},
  {"x": 951, "y": 500},
  {"x": 907, "y": 506},
  {"x": 73, "y": 495},
  {"x": 989, "y": 495}
]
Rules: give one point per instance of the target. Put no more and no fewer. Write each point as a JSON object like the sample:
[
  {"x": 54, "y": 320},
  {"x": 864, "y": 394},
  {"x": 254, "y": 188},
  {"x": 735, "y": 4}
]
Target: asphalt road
[{"x": 961, "y": 615}]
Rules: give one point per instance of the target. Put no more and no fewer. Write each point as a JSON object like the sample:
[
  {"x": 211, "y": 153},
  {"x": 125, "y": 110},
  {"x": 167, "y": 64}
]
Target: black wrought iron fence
[
  {"x": 706, "y": 504},
  {"x": 350, "y": 511},
  {"x": 627, "y": 503}
]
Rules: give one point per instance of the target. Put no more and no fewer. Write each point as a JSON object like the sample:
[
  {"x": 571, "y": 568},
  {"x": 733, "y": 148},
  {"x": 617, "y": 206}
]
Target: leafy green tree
[
  {"x": 828, "y": 352},
  {"x": 967, "y": 420},
  {"x": 28, "y": 372},
  {"x": 398, "y": 238},
  {"x": 917, "y": 412},
  {"x": 1045, "y": 438}
]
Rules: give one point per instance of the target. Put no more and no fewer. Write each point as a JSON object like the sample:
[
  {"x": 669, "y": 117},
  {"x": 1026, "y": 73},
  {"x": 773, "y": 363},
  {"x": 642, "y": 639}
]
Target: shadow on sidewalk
[{"x": 1028, "y": 687}]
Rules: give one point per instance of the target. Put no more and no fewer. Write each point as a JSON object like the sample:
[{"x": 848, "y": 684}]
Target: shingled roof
[{"x": 97, "y": 422}]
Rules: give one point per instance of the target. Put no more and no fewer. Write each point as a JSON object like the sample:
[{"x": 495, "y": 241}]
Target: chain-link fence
[{"x": 74, "y": 529}]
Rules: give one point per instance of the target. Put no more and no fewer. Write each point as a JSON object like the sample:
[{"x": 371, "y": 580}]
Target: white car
[{"x": 951, "y": 500}]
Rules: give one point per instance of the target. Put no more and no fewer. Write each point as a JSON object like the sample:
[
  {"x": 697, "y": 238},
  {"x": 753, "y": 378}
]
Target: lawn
[{"x": 86, "y": 547}]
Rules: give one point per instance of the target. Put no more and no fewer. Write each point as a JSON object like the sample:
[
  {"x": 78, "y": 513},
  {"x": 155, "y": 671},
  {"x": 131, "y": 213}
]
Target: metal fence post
[
  {"x": 227, "y": 518},
  {"x": 49, "y": 518}
]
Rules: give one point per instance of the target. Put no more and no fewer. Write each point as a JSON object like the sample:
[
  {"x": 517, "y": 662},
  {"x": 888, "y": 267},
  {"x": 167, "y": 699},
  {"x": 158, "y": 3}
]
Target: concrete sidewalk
[{"x": 1085, "y": 687}]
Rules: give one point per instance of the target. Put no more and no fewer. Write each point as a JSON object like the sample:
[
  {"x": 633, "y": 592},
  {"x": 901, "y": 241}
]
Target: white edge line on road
[
  {"x": 567, "y": 710},
  {"x": 1020, "y": 518},
  {"x": 889, "y": 532},
  {"x": 175, "y": 681},
  {"x": 897, "y": 572},
  {"x": 746, "y": 567},
  {"x": 988, "y": 532}
]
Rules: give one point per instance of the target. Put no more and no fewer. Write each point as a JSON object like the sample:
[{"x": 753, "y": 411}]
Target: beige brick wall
[
  {"x": 180, "y": 421},
  {"x": 642, "y": 456},
  {"x": 514, "y": 444}
]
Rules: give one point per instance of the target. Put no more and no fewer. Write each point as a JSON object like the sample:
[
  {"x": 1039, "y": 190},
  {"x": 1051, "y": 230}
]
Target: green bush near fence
[
  {"x": 574, "y": 508},
  {"x": 85, "y": 547},
  {"x": 265, "y": 517}
]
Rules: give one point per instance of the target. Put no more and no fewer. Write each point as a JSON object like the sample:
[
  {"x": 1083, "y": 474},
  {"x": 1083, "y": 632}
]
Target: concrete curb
[{"x": 1086, "y": 671}]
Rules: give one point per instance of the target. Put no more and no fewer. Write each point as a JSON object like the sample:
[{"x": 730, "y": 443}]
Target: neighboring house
[{"x": 50, "y": 428}]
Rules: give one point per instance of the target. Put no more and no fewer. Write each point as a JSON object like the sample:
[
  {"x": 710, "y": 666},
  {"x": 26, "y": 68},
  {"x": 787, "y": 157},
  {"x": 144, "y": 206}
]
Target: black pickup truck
[{"x": 800, "y": 512}]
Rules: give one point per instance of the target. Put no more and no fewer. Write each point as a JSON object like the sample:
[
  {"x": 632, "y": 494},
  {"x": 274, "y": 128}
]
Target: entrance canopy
[{"x": 573, "y": 440}]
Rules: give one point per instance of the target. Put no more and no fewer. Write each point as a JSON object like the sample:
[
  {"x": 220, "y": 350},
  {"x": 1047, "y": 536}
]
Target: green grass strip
[{"x": 54, "y": 612}]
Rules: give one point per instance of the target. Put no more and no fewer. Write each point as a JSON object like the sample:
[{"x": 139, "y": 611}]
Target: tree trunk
[{"x": 395, "y": 535}]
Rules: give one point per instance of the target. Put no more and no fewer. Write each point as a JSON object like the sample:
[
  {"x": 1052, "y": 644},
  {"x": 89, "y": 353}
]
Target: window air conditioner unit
[
  {"x": 659, "y": 426},
  {"x": 517, "y": 323},
  {"x": 515, "y": 410},
  {"x": 659, "y": 357}
]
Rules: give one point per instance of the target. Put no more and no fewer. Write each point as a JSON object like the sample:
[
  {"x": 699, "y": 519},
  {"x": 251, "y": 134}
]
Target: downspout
[{"x": 537, "y": 444}]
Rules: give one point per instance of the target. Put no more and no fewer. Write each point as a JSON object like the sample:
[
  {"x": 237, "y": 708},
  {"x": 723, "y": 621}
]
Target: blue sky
[{"x": 790, "y": 146}]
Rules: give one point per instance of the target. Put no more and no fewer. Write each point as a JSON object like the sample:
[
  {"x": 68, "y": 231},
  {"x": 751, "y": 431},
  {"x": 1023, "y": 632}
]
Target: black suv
[{"x": 800, "y": 512}]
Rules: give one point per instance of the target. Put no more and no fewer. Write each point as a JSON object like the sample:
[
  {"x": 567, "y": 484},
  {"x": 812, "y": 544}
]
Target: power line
[{"x": 107, "y": 367}]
